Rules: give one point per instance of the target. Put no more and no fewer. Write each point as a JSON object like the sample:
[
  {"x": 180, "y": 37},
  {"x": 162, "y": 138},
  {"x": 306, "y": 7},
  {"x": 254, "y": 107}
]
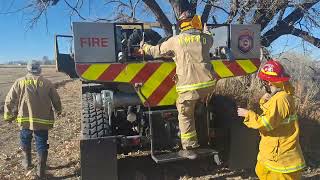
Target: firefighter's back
[
  {"x": 35, "y": 100},
  {"x": 192, "y": 57}
]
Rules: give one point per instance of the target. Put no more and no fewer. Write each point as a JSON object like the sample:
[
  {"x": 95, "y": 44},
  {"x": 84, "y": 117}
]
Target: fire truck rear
[{"x": 128, "y": 99}]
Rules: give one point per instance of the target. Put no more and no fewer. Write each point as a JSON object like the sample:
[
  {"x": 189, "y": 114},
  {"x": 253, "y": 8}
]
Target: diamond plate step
[{"x": 174, "y": 156}]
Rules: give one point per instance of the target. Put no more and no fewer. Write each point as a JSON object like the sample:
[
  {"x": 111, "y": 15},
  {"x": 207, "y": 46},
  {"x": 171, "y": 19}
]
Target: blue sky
[{"x": 20, "y": 43}]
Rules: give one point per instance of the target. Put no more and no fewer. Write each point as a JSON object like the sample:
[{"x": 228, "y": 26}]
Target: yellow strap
[
  {"x": 266, "y": 123},
  {"x": 191, "y": 87},
  {"x": 290, "y": 119},
  {"x": 189, "y": 135},
  {"x": 288, "y": 169},
  {"x": 36, "y": 120}
]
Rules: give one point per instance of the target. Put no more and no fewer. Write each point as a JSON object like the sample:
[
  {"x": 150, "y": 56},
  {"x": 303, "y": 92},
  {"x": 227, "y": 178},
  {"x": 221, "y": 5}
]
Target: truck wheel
[
  {"x": 98, "y": 149},
  {"x": 94, "y": 123}
]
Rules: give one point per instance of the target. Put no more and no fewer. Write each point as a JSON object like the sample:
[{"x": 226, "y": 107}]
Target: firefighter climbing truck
[{"x": 128, "y": 99}]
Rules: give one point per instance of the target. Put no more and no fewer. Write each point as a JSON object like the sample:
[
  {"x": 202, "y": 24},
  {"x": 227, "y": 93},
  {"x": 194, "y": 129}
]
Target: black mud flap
[
  {"x": 238, "y": 143},
  {"x": 243, "y": 146},
  {"x": 99, "y": 159}
]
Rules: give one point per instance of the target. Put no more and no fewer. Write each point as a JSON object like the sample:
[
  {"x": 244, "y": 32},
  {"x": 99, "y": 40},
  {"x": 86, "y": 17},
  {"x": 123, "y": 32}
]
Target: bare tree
[{"x": 277, "y": 17}]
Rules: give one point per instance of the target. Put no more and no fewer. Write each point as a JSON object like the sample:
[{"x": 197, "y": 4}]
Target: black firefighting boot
[
  {"x": 41, "y": 167},
  {"x": 26, "y": 161}
]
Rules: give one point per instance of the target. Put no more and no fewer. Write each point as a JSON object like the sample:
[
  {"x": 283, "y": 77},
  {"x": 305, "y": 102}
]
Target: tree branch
[
  {"x": 54, "y": 2},
  {"x": 218, "y": 7},
  {"x": 214, "y": 20},
  {"x": 281, "y": 13},
  {"x": 118, "y": 2},
  {"x": 285, "y": 26},
  {"x": 160, "y": 16},
  {"x": 260, "y": 12},
  {"x": 17, "y": 10},
  {"x": 233, "y": 10},
  {"x": 298, "y": 13},
  {"x": 179, "y": 6},
  {"x": 42, "y": 6},
  {"x": 193, "y": 6},
  {"x": 249, "y": 4},
  {"x": 267, "y": 10},
  {"x": 274, "y": 34},
  {"x": 74, "y": 10},
  {"x": 135, "y": 7},
  {"x": 306, "y": 36},
  {"x": 206, "y": 12}
]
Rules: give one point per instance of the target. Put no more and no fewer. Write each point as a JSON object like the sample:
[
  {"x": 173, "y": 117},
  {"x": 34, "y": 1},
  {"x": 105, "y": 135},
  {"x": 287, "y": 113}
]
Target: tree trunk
[{"x": 161, "y": 17}]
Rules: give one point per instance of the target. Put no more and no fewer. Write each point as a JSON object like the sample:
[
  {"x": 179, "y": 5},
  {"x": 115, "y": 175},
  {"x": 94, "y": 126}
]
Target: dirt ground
[{"x": 64, "y": 160}]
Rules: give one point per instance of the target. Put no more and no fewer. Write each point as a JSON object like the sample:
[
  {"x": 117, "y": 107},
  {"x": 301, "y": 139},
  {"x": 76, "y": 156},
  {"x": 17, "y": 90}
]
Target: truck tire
[
  {"x": 94, "y": 123},
  {"x": 98, "y": 149}
]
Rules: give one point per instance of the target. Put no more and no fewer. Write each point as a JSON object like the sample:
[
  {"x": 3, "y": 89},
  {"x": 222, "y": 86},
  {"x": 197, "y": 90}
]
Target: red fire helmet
[{"x": 273, "y": 71}]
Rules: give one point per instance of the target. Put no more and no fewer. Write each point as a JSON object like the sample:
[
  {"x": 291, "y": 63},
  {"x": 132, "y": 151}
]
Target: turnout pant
[
  {"x": 265, "y": 174},
  {"x": 186, "y": 103}
]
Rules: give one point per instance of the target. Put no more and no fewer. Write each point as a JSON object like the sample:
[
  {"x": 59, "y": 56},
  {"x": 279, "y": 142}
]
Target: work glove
[
  {"x": 205, "y": 28},
  {"x": 242, "y": 112},
  {"x": 141, "y": 47},
  {"x": 9, "y": 119}
]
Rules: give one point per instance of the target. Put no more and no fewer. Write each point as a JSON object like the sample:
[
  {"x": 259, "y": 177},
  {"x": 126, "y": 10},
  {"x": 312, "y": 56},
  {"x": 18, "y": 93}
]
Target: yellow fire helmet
[{"x": 195, "y": 23}]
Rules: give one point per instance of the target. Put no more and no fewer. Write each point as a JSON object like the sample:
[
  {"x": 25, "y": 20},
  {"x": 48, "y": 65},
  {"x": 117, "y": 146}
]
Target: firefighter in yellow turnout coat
[
  {"x": 280, "y": 156},
  {"x": 30, "y": 102},
  {"x": 194, "y": 74}
]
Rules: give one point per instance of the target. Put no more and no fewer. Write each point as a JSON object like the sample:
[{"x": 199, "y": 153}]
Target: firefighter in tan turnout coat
[
  {"x": 30, "y": 102},
  {"x": 194, "y": 74}
]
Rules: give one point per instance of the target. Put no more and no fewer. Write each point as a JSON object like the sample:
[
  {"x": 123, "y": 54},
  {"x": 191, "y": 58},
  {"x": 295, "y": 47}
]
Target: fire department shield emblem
[{"x": 245, "y": 41}]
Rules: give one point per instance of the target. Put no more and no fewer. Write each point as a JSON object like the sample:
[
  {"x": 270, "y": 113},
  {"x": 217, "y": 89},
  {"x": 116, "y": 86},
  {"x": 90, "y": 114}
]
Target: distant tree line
[{"x": 45, "y": 61}]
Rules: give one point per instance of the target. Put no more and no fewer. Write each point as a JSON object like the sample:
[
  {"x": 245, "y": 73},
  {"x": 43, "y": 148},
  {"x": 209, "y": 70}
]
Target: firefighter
[
  {"x": 30, "y": 102},
  {"x": 194, "y": 77},
  {"x": 280, "y": 155}
]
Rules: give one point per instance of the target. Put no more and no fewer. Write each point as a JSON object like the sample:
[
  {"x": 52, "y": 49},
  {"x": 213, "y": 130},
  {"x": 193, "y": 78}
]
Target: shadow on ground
[
  {"x": 68, "y": 165},
  {"x": 143, "y": 168}
]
